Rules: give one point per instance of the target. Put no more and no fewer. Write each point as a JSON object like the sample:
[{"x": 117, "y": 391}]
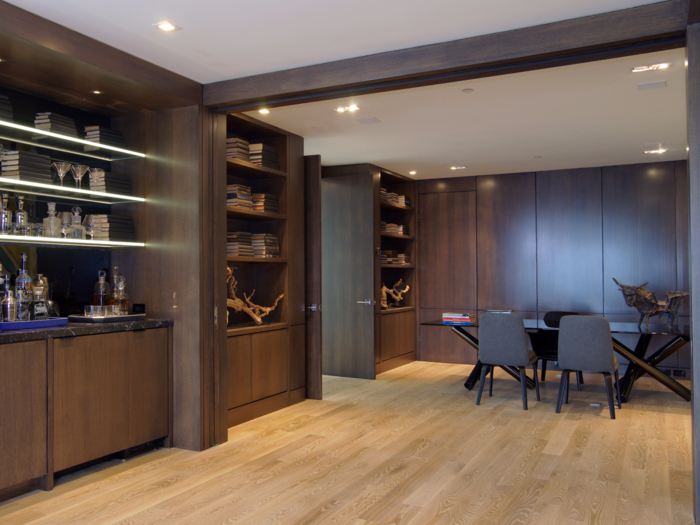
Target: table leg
[
  {"x": 633, "y": 367},
  {"x": 473, "y": 378}
]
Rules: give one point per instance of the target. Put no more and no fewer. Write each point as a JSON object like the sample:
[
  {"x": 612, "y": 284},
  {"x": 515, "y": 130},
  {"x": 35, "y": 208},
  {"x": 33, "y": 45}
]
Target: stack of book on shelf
[
  {"x": 393, "y": 198},
  {"x": 393, "y": 257},
  {"x": 5, "y": 108},
  {"x": 106, "y": 136},
  {"x": 265, "y": 202},
  {"x": 264, "y": 155},
  {"x": 110, "y": 183},
  {"x": 266, "y": 245},
  {"x": 396, "y": 229},
  {"x": 23, "y": 165},
  {"x": 49, "y": 121},
  {"x": 239, "y": 195},
  {"x": 238, "y": 244},
  {"x": 402, "y": 259},
  {"x": 238, "y": 148},
  {"x": 452, "y": 318},
  {"x": 113, "y": 228}
]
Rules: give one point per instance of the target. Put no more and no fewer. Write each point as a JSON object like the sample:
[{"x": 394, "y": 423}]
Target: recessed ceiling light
[
  {"x": 95, "y": 92},
  {"x": 468, "y": 90},
  {"x": 411, "y": 172},
  {"x": 655, "y": 148},
  {"x": 341, "y": 109},
  {"x": 652, "y": 67},
  {"x": 264, "y": 111},
  {"x": 458, "y": 167},
  {"x": 167, "y": 26}
]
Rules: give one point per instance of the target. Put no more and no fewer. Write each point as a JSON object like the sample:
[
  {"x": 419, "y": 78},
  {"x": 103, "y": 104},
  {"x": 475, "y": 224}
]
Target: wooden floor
[{"x": 410, "y": 447}]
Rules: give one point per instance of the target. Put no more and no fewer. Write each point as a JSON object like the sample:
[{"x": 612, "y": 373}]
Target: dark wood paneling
[
  {"x": 498, "y": 53},
  {"x": 312, "y": 249},
  {"x": 295, "y": 231},
  {"x": 297, "y": 362},
  {"x": 23, "y": 431},
  {"x": 569, "y": 241},
  {"x": 398, "y": 334},
  {"x": 439, "y": 344},
  {"x": 240, "y": 370},
  {"x": 639, "y": 230},
  {"x": 448, "y": 250},
  {"x": 693, "y": 12},
  {"x": 396, "y": 362},
  {"x": 269, "y": 364},
  {"x": 244, "y": 413},
  {"x": 506, "y": 242},
  {"x": 682, "y": 234},
  {"x": 448, "y": 185}
]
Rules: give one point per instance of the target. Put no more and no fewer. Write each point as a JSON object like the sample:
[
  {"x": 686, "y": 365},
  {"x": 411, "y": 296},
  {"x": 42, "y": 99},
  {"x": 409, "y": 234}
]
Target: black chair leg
[
  {"x": 617, "y": 385},
  {"x": 579, "y": 380},
  {"x": 491, "y": 382},
  {"x": 566, "y": 401},
  {"x": 537, "y": 383},
  {"x": 562, "y": 385},
  {"x": 523, "y": 386},
  {"x": 609, "y": 390},
  {"x": 544, "y": 368},
  {"x": 484, "y": 368}
]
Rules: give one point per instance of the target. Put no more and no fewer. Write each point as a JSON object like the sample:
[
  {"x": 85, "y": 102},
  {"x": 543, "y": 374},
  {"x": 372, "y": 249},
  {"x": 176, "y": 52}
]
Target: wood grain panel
[
  {"x": 682, "y": 233},
  {"x": 297, "y": 361},
  {"x": 398, "y": 334},
  {"x": 447, "y": 185},
  {"x": 240, "y": 370},
  {"x": 439, "y": 344},
  {"x": 270, "y": 363},
  {"x": 23, "y": 412},
  {"x": 639, "y": 232},
  {"x": 448, "y": 276},
  {"x": 570, "y": 241},
  {"x": 295, "y": 232},
  {"x": 506, "y": 242}
]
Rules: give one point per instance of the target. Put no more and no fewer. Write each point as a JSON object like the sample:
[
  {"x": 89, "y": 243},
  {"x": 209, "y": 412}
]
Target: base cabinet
[{"x": 398, "y": 334}]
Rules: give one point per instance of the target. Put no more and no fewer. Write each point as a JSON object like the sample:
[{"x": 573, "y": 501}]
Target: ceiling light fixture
[
  {"x": 411, "y": 172},
  {"x": 653, "y": 67},
  {"x": 341, "y": 109},
  {"x": 166, "y": 26},
  {"x": 458, "y": 167},
  {"x": 264, "y": 111},
  {"x": 95, "y": 92},
  {"x": 655, "y": 148}
]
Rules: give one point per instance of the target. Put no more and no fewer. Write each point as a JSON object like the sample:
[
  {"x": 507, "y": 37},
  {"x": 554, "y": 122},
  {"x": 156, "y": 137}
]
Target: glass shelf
[
  {"x": 82, "y": 243},
  {"x": 62, "y": 147},
  {"x": 53, "y": 191}
]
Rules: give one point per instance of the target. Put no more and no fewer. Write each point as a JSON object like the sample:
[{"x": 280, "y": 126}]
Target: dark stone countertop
[{"x": 77, "y": 329}]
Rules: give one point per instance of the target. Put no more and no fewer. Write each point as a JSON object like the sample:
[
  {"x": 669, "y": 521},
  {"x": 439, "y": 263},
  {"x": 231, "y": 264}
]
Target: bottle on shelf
[
  {"x": 121, "y": 298},
  {"x": 5, "y": 217},
  {"x": 101, "y": 295},
  {"x": 39, "y": 309},
  {"x": 21, "y": 217},
  {"x": 116, "y": 276},
  {"x": 52, "y": 224},
  {"x": 76, "y": 230},
  {"x": 9, "y": 303},
  {"x": 39, "y": 285},
  {"x": 23, "y": 291}
]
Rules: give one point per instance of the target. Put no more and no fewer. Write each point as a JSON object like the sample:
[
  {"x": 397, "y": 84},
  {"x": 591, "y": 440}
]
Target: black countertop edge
[{"x": 77, "y": 329}]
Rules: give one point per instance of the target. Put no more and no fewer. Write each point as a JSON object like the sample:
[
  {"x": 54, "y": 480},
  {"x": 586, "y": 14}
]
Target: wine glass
[
  {"x": 78, "y": 171},
  {"x": 96, "y": 174},
  {"x": 89, "y": 223},
  {"x": 61, "y": 169},
  {"x": 65, "y": 223}
]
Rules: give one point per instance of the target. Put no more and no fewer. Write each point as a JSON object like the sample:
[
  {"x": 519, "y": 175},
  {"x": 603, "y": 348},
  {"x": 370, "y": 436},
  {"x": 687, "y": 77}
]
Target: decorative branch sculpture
[
  {"x": 253, "y": 310},
  {"x": 396, "y": 292}
]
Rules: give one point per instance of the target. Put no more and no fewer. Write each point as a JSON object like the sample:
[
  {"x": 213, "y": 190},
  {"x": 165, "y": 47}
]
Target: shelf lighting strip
[
  {"x": 67, "y": 242},
  {"x": 79, "y": 191},
  {"x": 54, "y": 148},
  {"x": 69, "y": 138}
]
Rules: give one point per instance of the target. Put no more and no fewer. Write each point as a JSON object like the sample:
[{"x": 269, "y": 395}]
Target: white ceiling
[
  {"x": 577, "y": 116},
  {"x": 224, "y": 39}
]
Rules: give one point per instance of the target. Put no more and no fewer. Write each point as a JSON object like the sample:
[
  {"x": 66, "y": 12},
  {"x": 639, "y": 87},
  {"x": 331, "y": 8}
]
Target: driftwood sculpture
[
  {"x": 648, "y": 305},
  {"x": 253, "y": 310},
  {"x": 395, "y": 292}
]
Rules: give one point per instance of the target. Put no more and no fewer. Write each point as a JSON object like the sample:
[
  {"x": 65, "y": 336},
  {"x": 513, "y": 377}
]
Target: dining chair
[
  {"x": 585, "y": 345},
  {"x": 503, "y": 342},
  {"x": 545, "y": 343}
]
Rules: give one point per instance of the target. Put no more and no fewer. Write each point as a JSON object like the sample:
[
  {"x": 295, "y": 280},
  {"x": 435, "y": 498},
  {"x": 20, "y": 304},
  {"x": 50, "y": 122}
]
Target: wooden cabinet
[
  {"x": 23, "y": 412},
  {"x": 398, "y": 334}
]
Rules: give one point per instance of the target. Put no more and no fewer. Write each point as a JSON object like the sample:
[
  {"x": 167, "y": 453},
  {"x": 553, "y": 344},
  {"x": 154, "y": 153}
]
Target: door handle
[
  {"x": 367, "y": 302},
  {"x": 313, "y": 307}
]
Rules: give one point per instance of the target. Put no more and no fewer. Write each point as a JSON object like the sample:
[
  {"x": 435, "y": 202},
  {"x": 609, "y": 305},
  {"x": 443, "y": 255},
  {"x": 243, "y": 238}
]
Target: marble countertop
[{"x": 77, "y": 329}]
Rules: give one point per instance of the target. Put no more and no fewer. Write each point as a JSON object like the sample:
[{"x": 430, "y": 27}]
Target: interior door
[{"x": 347, "y": 239}]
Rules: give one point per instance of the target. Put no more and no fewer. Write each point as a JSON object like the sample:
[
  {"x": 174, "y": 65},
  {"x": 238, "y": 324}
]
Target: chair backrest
[
  {"x": 552, "y": 319},
  {"x": 585, "y": 344},
  {"x": 502, "y": 340}
]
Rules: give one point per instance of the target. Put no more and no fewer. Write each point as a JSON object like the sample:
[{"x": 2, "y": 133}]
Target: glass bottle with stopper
[
  {"x": 23, "y": 290},
  {"x": 39, "y": 309},
  {"x": 121, "y": 298},
  {"x": 5, "y": 217},
  {"x": 21, "y": 217},
  {"x": 116, "y": 276},
  {"x": 101, "y": 296},
  {"x": 9, "y": 303},
  {"x": 52, "y": 224},
  {"x": 76, "y": 230}
]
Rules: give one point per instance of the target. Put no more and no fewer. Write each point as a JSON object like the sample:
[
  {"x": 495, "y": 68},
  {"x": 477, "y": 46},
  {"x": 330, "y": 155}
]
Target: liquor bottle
[
  {"x": 5, "y": 217},
  {"x": 9, "y": 303},
  {"x": 40, "y": 284},
  {"x": 52, "y": 224},
  {"x": 76, "y": 230},
  {"x": 101, "y": 296},
  {"x": 23, "y": 290},
  {"x": 39, "y": 309},
  {"x": 21, "y": 217},
  {"x": 116, "y": 277},
  {"x": 122, "y": 298}
]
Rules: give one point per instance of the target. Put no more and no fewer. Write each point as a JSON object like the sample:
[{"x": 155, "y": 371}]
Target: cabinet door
[
  {"x": 269, "y": 363},
  {"x": 23, "y": 417},
  {"x": 398, "y": 334},
  {"x": 297, "y": 356},
  {"x": 239, "y": 371}
]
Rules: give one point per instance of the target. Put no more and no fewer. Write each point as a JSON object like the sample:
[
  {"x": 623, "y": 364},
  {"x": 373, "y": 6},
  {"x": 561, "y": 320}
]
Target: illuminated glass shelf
[
  {"x": 54, "y": 191},
  {"x": 49, "y": 241},
  {"x": 62, "y": 147}
]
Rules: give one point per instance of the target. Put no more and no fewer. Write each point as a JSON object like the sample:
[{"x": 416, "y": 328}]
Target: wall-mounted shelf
[
  {"x": 396, "y": 236},
  {"x": 248, "y": 169},
  {"x": 252, "y": 328},
  {"x": 65, "y": 192},
  {"x": 244, "y": 213},
  {"x": 398, "y": 310},
  {"x": 398, "y": 265},
  {"x": 82, "y": 243},
  {"x": 391, "y": 206},
  {"x": 257, "y": 259}
]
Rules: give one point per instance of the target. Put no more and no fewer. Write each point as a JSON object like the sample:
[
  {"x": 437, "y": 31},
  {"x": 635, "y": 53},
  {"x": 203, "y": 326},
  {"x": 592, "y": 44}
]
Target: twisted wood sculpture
[
  {"x": 396, "y": 292},
  {"x": 253, "y": 310}
]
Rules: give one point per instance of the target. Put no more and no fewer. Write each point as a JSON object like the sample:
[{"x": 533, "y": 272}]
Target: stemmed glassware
[
  {"x": 61, "y": 169},
  {"x": 66, "y": 219},
  {"x": 89, "y": 223},
  {"x": 78, "y": 171}
]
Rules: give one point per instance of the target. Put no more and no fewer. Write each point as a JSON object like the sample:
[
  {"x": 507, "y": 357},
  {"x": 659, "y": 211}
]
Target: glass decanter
[
  {"x": 21, "y": 217},
  {"x": 40, "y": 284},
  {"x": 9, "y": 303},
  {"x": 23, "y": 291},
  {"x": 121, "y": 297},
  {"x": 116, "y": 277},
  {"x": 39, "y": 309},
  {"x": 52, "y": 224},
  {"x": 101, "y": 295},
  {"x": 5, "y": 217},
  {"x": 76, "y": 230}
]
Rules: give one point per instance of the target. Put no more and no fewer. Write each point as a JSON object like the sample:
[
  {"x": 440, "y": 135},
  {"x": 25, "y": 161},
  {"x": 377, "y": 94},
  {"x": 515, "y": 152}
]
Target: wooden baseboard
[
  {"x": 256, "y": 409},
  {"x": 20, "y": 488},
  {"x": 396, "y": 362}
]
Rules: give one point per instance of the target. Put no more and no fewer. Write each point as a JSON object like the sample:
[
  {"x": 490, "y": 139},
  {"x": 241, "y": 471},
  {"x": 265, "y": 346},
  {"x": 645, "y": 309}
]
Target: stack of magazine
[{"x": 456, "y": 319}]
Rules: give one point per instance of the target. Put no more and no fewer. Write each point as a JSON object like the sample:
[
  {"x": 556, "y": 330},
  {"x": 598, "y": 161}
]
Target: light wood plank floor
[{"x": 408, "y": 448}]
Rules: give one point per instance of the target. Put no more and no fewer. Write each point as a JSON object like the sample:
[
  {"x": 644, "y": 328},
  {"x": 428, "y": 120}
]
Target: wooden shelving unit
[{"x": 242, "y": 213}]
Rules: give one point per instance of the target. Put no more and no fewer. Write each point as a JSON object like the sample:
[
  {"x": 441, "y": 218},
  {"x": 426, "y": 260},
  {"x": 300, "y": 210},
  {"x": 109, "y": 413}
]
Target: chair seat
[
  {"x": 531, "y": 357},
  {"x": 598, "y": 371}
]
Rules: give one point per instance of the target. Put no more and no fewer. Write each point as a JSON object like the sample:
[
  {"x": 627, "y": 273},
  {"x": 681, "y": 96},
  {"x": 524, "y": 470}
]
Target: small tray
[
  {"x": 114, "y": 319},
  {"x": 25, "y": 325}
]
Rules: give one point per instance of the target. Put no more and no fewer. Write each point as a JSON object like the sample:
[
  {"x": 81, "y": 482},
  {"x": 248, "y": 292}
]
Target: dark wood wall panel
[
  {"x": 240, "y": 370},
  {"x": 447, "y": 185},
  {"x": 569, "y": 241},
  {"x": 506, "y": 242},
  {"x": 295, "y": 231},
  {"x": 439, "y": 344},
  {"x": 682, "y": 233},
  {"x": 269, "y": 363},
  {"x": 447, "y": 250},
  {"x": 297, "y": 363},
  {"x": 639, "y": 230}
]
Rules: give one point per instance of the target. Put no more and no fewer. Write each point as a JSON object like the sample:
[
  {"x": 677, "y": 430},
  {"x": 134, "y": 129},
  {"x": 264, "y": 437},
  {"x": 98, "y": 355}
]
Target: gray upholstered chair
[
  {"x": 503, "y": 342},
  {"x": 585, "y": 344}
]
